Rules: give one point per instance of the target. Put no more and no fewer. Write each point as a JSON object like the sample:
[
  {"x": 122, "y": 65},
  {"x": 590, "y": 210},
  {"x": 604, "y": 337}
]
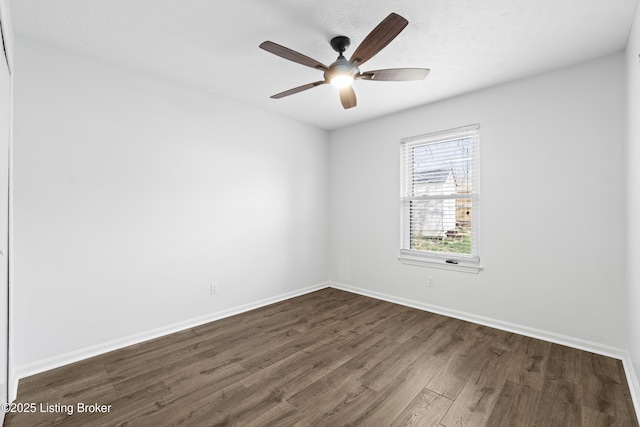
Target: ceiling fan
[{"x": 343, "y": 72}]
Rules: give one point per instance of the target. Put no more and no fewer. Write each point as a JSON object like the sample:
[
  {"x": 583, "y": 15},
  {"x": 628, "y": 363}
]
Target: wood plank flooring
[{"x": 333, "y": 358}]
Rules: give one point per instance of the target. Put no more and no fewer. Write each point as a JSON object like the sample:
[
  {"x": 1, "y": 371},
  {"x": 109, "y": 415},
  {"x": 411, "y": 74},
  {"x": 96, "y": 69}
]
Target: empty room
[{"x": 293, "y": 213}]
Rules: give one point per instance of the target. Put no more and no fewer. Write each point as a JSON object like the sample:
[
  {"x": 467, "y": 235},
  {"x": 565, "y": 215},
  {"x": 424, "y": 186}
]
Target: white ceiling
[{"x": 213, "y": 45}]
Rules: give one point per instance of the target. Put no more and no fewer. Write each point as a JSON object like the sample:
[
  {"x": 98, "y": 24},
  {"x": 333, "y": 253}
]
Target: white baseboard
[
  {"x": 39, "y": 366},
  {"x": 13, "y": 388},
  {"x": 632, "y": 380},
  {"x": 578, "y": 343}
]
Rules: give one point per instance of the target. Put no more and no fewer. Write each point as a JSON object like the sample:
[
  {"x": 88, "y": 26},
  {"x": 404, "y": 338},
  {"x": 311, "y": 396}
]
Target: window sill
[{"x": 464, "y": 265}]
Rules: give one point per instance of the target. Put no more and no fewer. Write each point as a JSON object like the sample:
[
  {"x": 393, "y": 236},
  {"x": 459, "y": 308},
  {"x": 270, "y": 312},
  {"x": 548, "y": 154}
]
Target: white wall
[
  {"x": 133, "y": 194},
  {"x": 552, "y": 198},
  {"x": 633, "y": 191}
]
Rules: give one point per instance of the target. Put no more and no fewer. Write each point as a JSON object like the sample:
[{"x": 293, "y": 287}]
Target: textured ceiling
[{"x": 467, "y": 44}]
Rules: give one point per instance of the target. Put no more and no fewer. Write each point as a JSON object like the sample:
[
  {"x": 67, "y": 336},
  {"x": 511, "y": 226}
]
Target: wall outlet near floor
[
  {"x": 430, "y": 281},
  {"x": 214, "y": 288}
]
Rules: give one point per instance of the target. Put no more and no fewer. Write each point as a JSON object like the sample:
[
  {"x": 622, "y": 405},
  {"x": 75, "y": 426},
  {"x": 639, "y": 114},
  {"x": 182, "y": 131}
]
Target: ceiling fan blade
[
  {"x": 292, "y": 55},
  {"x": 396, "y": 74},
  {"x": 297, "y": 89},
  {"x": 377, "y": 39},
  {"x": 348, "y": 97}
]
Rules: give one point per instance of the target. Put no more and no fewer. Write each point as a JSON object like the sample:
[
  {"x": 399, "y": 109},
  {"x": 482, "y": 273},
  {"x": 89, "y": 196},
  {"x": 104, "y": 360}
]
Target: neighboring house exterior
[{"x": 435, "y": 217}]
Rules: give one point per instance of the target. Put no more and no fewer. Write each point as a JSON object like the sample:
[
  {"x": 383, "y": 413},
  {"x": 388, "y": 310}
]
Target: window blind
[{"x": 440, "y": 194}]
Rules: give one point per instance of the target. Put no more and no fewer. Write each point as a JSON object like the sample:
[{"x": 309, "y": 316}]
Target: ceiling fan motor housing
[{"x": 341, "y": 67}]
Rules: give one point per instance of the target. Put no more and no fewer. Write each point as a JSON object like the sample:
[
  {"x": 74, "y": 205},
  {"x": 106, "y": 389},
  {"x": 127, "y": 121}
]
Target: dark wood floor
[{"x": 334, "y": 358}]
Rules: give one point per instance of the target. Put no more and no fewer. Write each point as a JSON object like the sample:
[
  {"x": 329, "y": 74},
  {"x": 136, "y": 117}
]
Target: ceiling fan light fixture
[
  {"x": 342, "y": 80},
  {"x": 341, "y": 73}
]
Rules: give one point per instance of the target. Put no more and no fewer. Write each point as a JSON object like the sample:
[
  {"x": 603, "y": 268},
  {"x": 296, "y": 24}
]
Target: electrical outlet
[
  {"x": 214, "y": 288},
  {"x": 430, "y": 281}
]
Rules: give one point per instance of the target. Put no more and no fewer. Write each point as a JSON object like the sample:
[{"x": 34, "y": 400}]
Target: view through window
[{"x": 440, "y": 192}]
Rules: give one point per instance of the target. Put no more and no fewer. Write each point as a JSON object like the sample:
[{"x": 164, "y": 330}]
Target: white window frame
[{"x": 443, "y": 260}]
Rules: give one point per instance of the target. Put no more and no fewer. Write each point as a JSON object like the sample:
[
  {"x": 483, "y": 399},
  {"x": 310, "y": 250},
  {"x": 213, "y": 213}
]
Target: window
[{"x": 439, "y": 179}]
